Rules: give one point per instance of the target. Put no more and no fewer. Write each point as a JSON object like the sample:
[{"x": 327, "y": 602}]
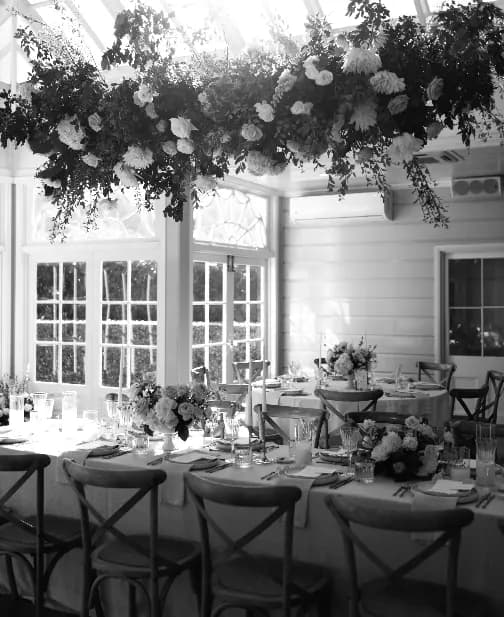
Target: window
[
  {"x": 229, "y": 282},
  {"x": 476, "y": 306}
]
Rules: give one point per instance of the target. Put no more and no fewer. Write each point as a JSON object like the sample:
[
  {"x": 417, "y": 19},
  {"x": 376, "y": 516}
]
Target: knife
[{"x": 341, "y": 482}]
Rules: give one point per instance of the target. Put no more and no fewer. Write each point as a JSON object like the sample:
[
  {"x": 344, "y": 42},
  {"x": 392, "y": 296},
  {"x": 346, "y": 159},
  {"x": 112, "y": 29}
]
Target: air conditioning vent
[
  {"x": 352, "y": 207},
  {"x": 446, "y": 156},
  {"x": 484, "y": 187}
]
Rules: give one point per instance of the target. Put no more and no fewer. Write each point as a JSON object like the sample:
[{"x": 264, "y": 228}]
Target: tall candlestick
[
  {"x": 320, "y": 354},
  {"x": 264, "y": 402},
  {"x": 248, "y": 413},
  {"x": 121, "y": 362}
]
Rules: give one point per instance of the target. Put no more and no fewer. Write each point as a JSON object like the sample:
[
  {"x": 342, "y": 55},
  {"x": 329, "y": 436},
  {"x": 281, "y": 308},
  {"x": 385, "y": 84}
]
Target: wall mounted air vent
[
  {"x": 330, "y": 208},
  {"x": 446, "y": 156},
  {"x": 484, "y": 187}
]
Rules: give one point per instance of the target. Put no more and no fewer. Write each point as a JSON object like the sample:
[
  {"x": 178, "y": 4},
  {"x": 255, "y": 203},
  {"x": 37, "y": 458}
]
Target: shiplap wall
[{"x": 371, "y": 278}]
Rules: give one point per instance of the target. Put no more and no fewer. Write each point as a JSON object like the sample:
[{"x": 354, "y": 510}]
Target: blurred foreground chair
[
  {"x": 29, "y": 540},
  {"x": 241, "y": 370},
  {"x": 233, "y": 577},
  {"x": 143, "y": 561},
  {"x": 436, "y": 372},
  {"x": 472, "y": 402},
  {"x": 284, "y": 412},
  {"x": 392, "y": 594}
]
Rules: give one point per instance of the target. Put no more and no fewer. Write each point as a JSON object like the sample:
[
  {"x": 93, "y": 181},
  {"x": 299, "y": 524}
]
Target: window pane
[
  {"x": 47, "y": 332},
  {"x": 215, "y": 313},
  {"x": 47, "y": 281},
  {"x": 144, "y": 312},
  {"x": 46, "y": 363},
  {"x": 255, "y": 331},
  {"x": 115, "y": 280},
  {"x": 215, "y": 285},
  {"x": 239, "y": 333},
  {"x": 198, "y": 356},
  {"x": 493, "y": 282},
  {"x": 72, "y": 312},
  {"x": 465, "y": 282},
  {"x": 240, "y": 312},
  {"x": 255, "y": 283},
  {"x": 215, "y": 363},
  {"x": 110, "y": 366},
  {"x": 74, "y": 332},
  {"x": 198, "y": 337},
  {"x": 465, "y": 331},
  {"x": 198, "y": 281},
  {"x": 72, "y": 358},
  {"x": 144, "y": 335},
  {"x": 142, "y": 361},
  {"x": 256, "y": 350},
  {"x": 198, "y": 313},
  {"x": 240, "y": 283},
  {"x": 144, "y": 280},
  {"x": 114, "y": 312},
  {"x": 215, "y": 333},
  {"x": 48, "y": 311},
  {"x": 255, "y": 313},
  {"x": 240, "y": 352},
  {"x": 74, "y": 281},
  {"x": 493, "y": 332},
  {"x": 114, "y": 334}
]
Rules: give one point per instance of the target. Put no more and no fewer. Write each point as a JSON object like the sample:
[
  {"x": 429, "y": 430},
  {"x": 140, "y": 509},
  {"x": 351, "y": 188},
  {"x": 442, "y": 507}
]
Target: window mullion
[{"x": 228, "y": 318}]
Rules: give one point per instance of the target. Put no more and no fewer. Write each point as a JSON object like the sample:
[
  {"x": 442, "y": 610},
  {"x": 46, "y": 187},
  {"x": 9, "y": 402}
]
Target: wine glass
[{"x": 350, "y": 437}]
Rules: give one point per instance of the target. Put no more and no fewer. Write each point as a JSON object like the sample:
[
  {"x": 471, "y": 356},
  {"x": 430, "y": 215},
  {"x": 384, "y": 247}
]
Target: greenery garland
[{"x": 364, "y": 100}]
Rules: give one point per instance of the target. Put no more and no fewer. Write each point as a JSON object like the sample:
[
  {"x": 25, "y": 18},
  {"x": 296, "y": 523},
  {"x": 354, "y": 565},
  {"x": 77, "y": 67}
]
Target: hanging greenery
[{"x": 359, "y": 101}]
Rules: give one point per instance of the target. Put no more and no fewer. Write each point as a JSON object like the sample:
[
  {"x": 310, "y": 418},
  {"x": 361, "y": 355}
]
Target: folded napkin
[
  {"x": 89, "y": 450},
  {"x": 173, "y": 488},
  {"x": 400, "y": 394}
]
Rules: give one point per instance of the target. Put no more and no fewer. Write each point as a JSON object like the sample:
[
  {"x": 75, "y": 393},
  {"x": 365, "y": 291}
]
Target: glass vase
[{"x": 361, "y": 379}]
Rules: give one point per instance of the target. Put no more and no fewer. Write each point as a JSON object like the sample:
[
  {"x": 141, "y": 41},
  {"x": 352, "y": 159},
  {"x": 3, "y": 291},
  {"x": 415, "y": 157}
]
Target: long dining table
[{"x": 317, "y": 538}]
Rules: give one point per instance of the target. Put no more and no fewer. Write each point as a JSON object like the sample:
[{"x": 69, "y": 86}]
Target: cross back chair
[
  {"x": 233, "y": 577},
  {"x": 200, "y": 374},
  {"x": 143, "y": 561},
  {"x": 462, "y": 396},
  {"x": 393, "y": 593},
  {"x": 323, "y": 365},
  {"x": 436, "y": 372},
  {"x": 380, "y": 417},
  {"x": 284, "y": 412},
  {"x": 241, "y": 369},
  {"x": 29, "y": 539},
  {"x": 329, "y": 398},
  {"x": 495, "y": 382}
]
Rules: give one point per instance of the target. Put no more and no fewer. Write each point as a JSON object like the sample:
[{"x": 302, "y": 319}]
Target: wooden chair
[
  {"x": 233, "y": 577},
  {"x": 141, "y": 560},
  {"x": 241, "y": 370},
  {"x": 436, "y": 372},
  {"x": 495, "y": 382},
  {"x": 462, "y": 396},
  {"x": 201, "y": 374},
  {"x": 323, "y": 365},
  {"x": 329, "y": 398},
  {"x": 464, "y": 434},
  {"x": 380, "y": 417},
  {"x": 30, "y": 540},
  {"x": 392, "y": 594},
  {"x": 283, "y": 412}
]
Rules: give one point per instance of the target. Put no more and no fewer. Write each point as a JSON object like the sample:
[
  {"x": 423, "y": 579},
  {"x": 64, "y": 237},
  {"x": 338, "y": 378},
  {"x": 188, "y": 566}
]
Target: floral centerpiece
[
  {"x": 361, "y": 100},
  {"x": 400, "y": 453},
  {"x": 353, "y": 359},
  {"x": 170, "y": 409}
]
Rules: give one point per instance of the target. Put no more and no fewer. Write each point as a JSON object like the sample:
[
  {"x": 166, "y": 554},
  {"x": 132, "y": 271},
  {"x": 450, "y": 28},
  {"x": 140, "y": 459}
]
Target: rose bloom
[
  {"x": 412, "y": 422},
  {"x": 364, "y": 116},
  {"x": 182, "y": 127},
  {"x": 386, "y": 82},
  {"x": 251, "y": 132},
  {"x": 138, "y": 158},
  {"x": 361, "y": 60},
  {"x": 126, "y": 176},
  {"x": 161, "y": 126},
  {"x": 410, "y": 442},
  {"x": 143, "y": 95},
  {"x": 265, "y": 111},
  {"x": 91, "y": 160},
  {"x": 435, "y": 89},
  {"x": 169, "y": 147},
  {"x": 286, "y": 80},
  {"x": 398, "y": 104},
  {"x": 95, "y": 122},
  {"x": 186, "y": 146},
  {"x": 379, "y": 453},
  {"x": 299, "y": 108},
  {"x": 186, "y": 410},
  {"x": 368, "y": 424},
  {"x": 70, "y": 133},
  {"x": 324, "y": 78},
  {"x": 403, "y": 147}
]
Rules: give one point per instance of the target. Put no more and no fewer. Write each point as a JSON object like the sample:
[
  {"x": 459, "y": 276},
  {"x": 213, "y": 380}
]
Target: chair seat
[
  {"x": 238, "y": 578},
  {"x": 416, "y": 599},
  {"x": 115, "y": 556},
  {"x": 66, "y": 531}
]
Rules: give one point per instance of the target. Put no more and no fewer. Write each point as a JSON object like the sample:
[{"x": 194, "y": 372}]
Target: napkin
[
  {"x": 92, "y": 449},
  {"x": 173, "y": 488},
  {"x": 399, "y": 394}
]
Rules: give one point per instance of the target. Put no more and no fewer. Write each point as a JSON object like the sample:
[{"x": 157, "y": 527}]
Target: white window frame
[{"x": 6, "y": 189}]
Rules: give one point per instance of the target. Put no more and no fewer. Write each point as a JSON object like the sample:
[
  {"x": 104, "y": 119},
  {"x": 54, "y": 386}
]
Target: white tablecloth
[{"x": 318, "y": 542}]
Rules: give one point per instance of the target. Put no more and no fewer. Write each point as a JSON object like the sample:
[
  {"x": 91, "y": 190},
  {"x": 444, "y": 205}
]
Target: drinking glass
[
  {"x": 90, "y": 424},
  {"x": 364, "y": 471},
  {"x": 303, "y": 435},
  {"x": 69, "y": 411},
  {"x": 350, "y": 437},
  {"x": 48, "y": 408},
  {"x": 459, "y": 463},
  {"x": 16, "y": 411},
  {"x": 486, "y": 446}
]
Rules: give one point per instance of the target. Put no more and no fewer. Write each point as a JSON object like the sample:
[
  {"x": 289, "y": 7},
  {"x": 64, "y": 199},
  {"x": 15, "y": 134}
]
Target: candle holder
[{"x": 262, "y": 459}]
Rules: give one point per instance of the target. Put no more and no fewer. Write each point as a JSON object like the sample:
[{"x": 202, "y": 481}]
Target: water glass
[
  {"x": 486, "y": 446},
  {"x": 16, "y": 411},
  {"x": 350, "y": 437},
  {"x": 364, "y": 471},
  {"x": 90, "y": 425},
  {"x": 303, "y": 435},
  {"x": 459, "y": 463},
  {"x": 48, "y": 408},
  {"x": 242, "y": 454},
  {"x": 69, "y": 411}
]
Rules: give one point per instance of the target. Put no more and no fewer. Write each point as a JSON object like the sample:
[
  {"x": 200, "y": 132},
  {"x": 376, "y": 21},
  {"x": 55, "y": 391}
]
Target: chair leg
[
  {"x": 324, "y": 602},
  {"x": 39, "y": 584},
  {"x": 12, "y": 579},
  {"x": 132, "y": 611}
]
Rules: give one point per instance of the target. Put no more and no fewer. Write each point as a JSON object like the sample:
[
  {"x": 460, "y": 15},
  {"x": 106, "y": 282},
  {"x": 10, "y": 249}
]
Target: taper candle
[{"x": 121, "y": 363}]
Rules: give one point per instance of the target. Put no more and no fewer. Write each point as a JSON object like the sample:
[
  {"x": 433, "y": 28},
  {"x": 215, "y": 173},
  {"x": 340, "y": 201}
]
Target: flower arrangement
[
  {"x": 400, "y": 453},
  {"x": 365, "y": 99},
  {"x": 14, "y": 385},
  {"x": 170, "y": 409},
  {"x": 351, "y": 358}
]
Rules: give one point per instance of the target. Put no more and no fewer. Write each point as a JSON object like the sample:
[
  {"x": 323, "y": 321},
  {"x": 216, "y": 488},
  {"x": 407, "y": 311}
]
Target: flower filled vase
[
  {"x": 351, "y": 381},
  {"x": 169, "y": 442},
  {"x": 361, "y": 379}
]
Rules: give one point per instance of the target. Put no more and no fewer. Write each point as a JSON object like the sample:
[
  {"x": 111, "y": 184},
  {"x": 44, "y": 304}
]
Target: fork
[
  {"x": 401, "y": 491},
  {"x": 484, "y": 501}
]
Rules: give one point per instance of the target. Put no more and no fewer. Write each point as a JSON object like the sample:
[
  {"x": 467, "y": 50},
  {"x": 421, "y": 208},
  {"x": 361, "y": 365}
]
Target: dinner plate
[
  {"x": 6, "y": 441},
  {"x": 463, "y": 497},
  {"x": 337, "y": 457},
  {"x": 322, "y": 480},
  {"x": 200, "y": 464},
  {"x": 224, "y": 445},
  {"x": 292, "y": 391},
  {"x": 425, "y": 385}
]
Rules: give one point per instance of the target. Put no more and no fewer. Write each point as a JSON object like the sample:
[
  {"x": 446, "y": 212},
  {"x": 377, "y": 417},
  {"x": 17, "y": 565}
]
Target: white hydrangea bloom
[
  {"x": 364, "y": 116},
  {"x": 182, "y": 127},
  {"x": 71, "y": 133},
  {"x": 265, "y": 111},
  {"x": 138, "y": 158},
  {"x": 324, "y": 78},
  {"x": 91, "y": 159},
  {"x": 403, "y": 147},
  {"x": 186, "y": 146},
  {"x": 386, "y": 82},
  {"x": 126, "y": 175},
  {"x": 361, "y": 60}
]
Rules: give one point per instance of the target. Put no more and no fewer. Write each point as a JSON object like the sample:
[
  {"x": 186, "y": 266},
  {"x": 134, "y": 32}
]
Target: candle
[
  {"x": 320, "y": 353},
  {"x": 248, "y": 412},
  {"x": 121, "y": 361},
  {"x": 264, "y": 404}
]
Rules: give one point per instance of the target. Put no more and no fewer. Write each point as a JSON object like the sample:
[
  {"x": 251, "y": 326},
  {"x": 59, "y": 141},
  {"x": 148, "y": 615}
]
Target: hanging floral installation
[{"x": 344, "y": 103}]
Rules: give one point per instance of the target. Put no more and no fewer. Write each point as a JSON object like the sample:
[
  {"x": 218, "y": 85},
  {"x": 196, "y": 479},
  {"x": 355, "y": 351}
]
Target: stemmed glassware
[{"x": 350, "y": 437}]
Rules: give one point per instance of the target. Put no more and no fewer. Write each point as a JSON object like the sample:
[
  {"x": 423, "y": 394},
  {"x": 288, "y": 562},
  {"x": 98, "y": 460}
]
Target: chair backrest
[
  {"x": 449, "y": 523},
  {"x": 242, "y": 369},
  {"x": 323, "y": 365},
  {"x": 464, "y": 434},
  {"x": 436, "y": 372},
  {"x": 329, "y": 398},
  {"x": 472, "y": 401},
  {"x": 495, "y": 382},
  {"x": 30, "y": 464},
  {"x": 293, "y": 413},
  {"x": 95, "y": 526},
  {"x": 380, "y": 417},
  {"x": 277, "y": 501},
  {"x": 200, "y": 374}
]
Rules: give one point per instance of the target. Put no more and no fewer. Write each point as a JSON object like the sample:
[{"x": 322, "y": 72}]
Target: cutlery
[
  {"x": 218, "y": 468},
  {"x": 401, "y": 491},
  {"x": 114, "y": 454},
  {"x": 488, "y": 501},
  {"x": 484, "y": 501},
  {"x": 341, "y": 482},
  {"x": 156, "y": 461},
  {"x": 270, "y": 475}
]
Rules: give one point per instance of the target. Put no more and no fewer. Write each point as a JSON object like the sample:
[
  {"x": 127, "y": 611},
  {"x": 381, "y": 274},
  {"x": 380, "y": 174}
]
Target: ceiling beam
[
  {"x": 82, "y": 22},
  {"x": 113, "y": 7},
  {"x": 423, "y": 10},
  {"x": 25, "y": 9}
]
